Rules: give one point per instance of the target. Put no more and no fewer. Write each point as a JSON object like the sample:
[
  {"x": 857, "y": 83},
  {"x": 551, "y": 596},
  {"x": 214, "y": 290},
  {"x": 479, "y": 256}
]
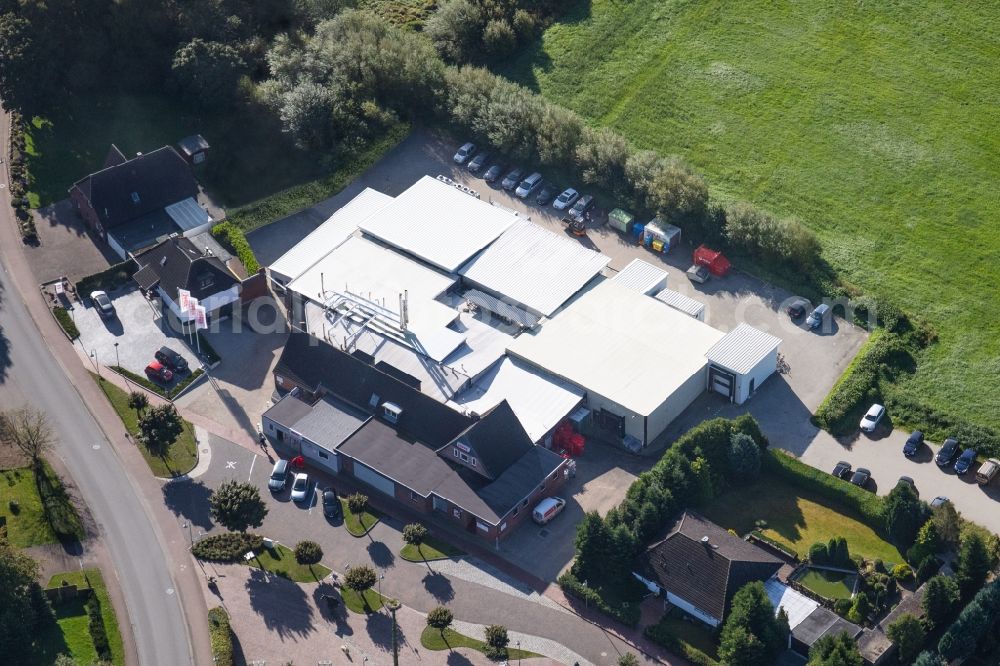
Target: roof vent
[
  {"x": 705, "y": 540},
  {"x": 163, "y": 260},
  {"x": 391, "y": 412}
]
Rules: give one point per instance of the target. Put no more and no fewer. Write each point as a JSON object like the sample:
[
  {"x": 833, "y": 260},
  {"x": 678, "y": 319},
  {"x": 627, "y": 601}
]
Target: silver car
[
  {"x": 529, "y": 185},
  {"x": 300, "y": 487},
  {"x": 566, "y": 199},
  {"x": 464, "y": 153}
]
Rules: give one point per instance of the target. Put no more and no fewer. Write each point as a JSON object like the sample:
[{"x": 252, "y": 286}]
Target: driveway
[{"x": 66, "y": 246}]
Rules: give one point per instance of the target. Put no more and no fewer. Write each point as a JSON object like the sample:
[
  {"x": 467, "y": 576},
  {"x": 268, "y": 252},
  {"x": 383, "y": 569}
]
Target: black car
[
  {"x": 545, "y": 195},
  {"x": 965, "y": 461},
  {"x": 493, "y": 173},
  {"x": 582, "y": 206},
  {"x": 947, "y": 453},
  {"x": 842, "y": 470},
  {"x": 331, "y": 503},
  {"x": 913, "y": 443},
  {"x": 171, "y": 359},
  {"x": 797, "y": 308},
  {"x": 512, "y": 179},
  {"x": 861, "y": 477},
  {"x": 477, "y": 163}
]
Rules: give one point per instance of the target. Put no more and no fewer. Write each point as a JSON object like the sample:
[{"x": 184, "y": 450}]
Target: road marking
[
  {"x": 230, "y": 464},
  {"x": 252, "y": 462},
  {"x": 170, "y": 591},
  {"x": 96, "y": 447}
]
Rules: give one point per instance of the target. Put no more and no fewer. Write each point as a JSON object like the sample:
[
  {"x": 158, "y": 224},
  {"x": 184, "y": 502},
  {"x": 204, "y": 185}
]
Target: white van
[{"x": 547, "y": 509}]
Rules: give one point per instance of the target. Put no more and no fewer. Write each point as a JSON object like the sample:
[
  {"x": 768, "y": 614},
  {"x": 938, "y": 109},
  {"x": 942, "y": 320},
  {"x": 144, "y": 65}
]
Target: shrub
[
  {"x": 744, "y": 458},
  {"x": 661, "y": 635},
  {"x": 627, "y": 612},
  {"x": 308, "y": 552},
  {"x": 841, "y": 409},
  {"x": 818, "y": 553},
  {"x": 414, "y": 534},
  {"x": 98, "y": 632},
  {"x": 357, "y": 502},
  {"x": 902, "y": 572},
  {"x": 227, "y": 547},
  {"x": 496, "y": 641},
  {"x": 440, "y": 617},
  {"x": 14, "y": 506},
  {"x": 66, "y": 321},
  {"x": 107, "y": 280},
  {"x": 222, "y": 636},
  {"x": 233, "y": 239}
]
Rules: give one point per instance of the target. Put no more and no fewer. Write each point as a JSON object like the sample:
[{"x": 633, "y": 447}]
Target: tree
[
  {"x": 308, "y": 552},
  {"x": 414, "y": 534},
  {"x": 601, "y": 155},
  {"x": 21, "y": 612},
  {"x": 973, "y": 564},
  {"x": 947, "y": 523},
  {"x": 29, "y": 431},
  {"x": 138, "y": 401},
  {"x": 908, "y": 634},
  {"x": 904, "y": 514},
  {"x": 496, "y": 640},
  {"x": 739, "y": 647},
  {"x": 456, "y": 29},
  {"x": 440, "y": 617},
  {"x": 159, "y": 428},
  {"x": 752, "y": 616},
  {"x": 237, "y": 506},
  {"x": 593, "y": 547},
  {"x": 628, "y": 659},
  {"x": 975, "y": 627},
  {"x": 835, "y": 650},
  {"x": 860, "y": 609},
  {"x": 928, "y": 658},
  {"x": 940, "y": 599},
  {"x": 927, "y": 543},
  {"x": 360, "y": 579},
  {"x": 208, "y": 72},
  {"x": 499, "y": 37},
  {"x": 357, "y": 502},
  {"x": 744, "y": 458}
]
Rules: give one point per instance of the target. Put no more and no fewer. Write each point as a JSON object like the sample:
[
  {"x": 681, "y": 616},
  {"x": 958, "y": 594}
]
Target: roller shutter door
[
  {"x": 721, "y": 381},
  {"x": 374, "y": 479}
]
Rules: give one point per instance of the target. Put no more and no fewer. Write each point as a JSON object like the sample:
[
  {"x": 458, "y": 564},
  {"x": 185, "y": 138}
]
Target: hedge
[
  {"x": 107, "y": 280},
  {"x": 226, "y": 547},
  {"x": 661, "y": 635},
  {"x": 59, "y": 510},
  {"x": 207, "y": 350},
  {"x": 627, "y": 612},
  {"x": 66, "y": 321},
  {"x": 98, "y": 632},
  {"x": 858, "y": 386},
  {"x": 222, "y": 636},
  {"x": 145, "y": 382},
  {"x": 233, "y": 239}
]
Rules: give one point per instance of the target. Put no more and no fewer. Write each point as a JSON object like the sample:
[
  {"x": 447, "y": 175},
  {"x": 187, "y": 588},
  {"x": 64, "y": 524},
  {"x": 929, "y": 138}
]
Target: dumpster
[
  {"x": 659, "y": 236},
  {"x": 713, "y": 260},
  {"x": 620, "y": 220}
]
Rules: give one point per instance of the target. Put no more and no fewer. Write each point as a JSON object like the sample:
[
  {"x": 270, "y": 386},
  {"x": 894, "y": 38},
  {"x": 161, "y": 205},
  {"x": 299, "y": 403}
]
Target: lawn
[
  {"x": 27, "y": 527},
  {"x": 72, "y": 634},
  {"x": 359, "y": 524},
  {"x": 873, "y": 123},
  {"x": 449, "y": 639},
  {"x": 281, "y": 561},
  {"x": 367, "y": 602},
  {"x": 690, "y": 633},
  {"x": 182, "y": 455},
  {"x": 796, "y": 519},
  {"x": 431, "y": 549},
  {"x": 829, "y": 584}
]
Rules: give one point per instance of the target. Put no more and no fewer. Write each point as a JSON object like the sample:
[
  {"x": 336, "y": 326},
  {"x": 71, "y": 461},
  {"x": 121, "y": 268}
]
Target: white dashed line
[{"x": 252, "y": 462}]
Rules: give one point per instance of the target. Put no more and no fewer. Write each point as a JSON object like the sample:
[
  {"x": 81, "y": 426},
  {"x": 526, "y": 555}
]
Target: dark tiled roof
[
  {"x": 520, "y": 479},
  {"x": 499, "y": 439},
  {"x": 821, "y": 622},
  {"x": 178, "y": 264},
  {"x": 157, "y": 179},
  {"x": 706, "y": 575}
]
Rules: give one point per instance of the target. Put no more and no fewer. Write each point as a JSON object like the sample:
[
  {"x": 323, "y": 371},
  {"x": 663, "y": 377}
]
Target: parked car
[
  {"x": 331, "y": 503},
  {"x": 547, "y": 509},
  {"x": 940, "y": 500},
  {"x": 300, "y": 487},
  {"x": 871, "y": 418},
  {"x": 171, "y": 359},
  {"x": 159, "y": 372},
  {"x": 965, "y": 461},
  {"x": 494, "y": 172},
  {"x": 477, "y": 163},
  {"x": 913, "y": 443},
  {"x": 566, "y": 199},
  {"x": 582, "y": 206},
  {"x": 797, "y": 308},
  {"x": 947, "y": 453},
  {"x": 512, "y": 179},
  {"x": 816, "y": 317},
  {"x": 464, "y": 153},
  {"x": 545, "y": 194},
  {"x": 697, "y": 273},
  {"x": 842, "y": 470},
  {"x": 861, "y": 477},
  {"x": 908, "y": 480},
  {"x": 279, "y": 476},
  {"x": 986, "y": 471},
  {"x": 529, "y": 185},
  {"x": 103, "y": 304}
]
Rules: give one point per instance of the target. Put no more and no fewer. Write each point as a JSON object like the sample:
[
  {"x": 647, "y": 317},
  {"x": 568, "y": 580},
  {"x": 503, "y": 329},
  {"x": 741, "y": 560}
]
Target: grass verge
[
  {"x": 367, "y": 602},
  {"x": 66, "y": 321},
  {"x": 280, "y": 561},
  {"x": 431, "y": 549},
  {"x": 27, "y": 525},
  {"x": 449, "y": 639},
  {"x": 359, "y": 524},
  {"x": 182, "y": 455},
  {"x": 73, "y": 619}
]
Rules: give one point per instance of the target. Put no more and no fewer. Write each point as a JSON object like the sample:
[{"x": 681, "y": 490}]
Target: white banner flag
[
  {"x": 192, "y": 307},
  {"x": 184, "y": 299},
  {"x": 200, "y": 317}
]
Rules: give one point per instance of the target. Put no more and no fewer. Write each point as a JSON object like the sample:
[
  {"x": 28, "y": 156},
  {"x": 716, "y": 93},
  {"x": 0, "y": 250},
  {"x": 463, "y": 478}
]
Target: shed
[
  {"x": 659, "y": 236},
  {"x": 685, "y": 304},
  {"x": 193, "y": 148},
  {"x": 620, "y": 220},
  {"x": 642, "y": 276},
  {"x": 740, "y": 362},
  {"x": 713, "y": 260}
]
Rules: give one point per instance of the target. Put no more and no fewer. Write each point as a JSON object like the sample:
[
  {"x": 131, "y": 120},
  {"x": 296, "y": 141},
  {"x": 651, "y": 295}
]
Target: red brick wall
[
  {"x": 83, "y": 207},
  {"x": 416, "y": 502}
]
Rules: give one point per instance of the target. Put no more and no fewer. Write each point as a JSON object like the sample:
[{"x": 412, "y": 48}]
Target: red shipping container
[{"x": 713, "y": 260}]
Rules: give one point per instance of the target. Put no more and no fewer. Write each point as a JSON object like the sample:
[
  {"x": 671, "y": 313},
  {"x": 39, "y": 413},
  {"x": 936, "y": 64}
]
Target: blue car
[{"x": 965, "y": 461}]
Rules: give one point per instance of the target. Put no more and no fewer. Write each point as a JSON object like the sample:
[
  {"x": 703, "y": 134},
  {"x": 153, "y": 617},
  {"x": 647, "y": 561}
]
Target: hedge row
[
  {"x": 109, "y": 279},
  {"x": 627, "y": 612},
  {"x": 660, "y": 634},
  {"x": 145, "y": 382},
  {"x": 233, "y": 239},
  {"x": 66, "y": 321},
  {"x": 937, "y": 426},
  {"x": 57, "y": 505},
  {"x": 857, "y": 387},
  {"x": 20, "y": 179},
  {"x": 222, "y": 636},
  {"x": 227, "y": 547},
  {"x": 98, "y": 632}
]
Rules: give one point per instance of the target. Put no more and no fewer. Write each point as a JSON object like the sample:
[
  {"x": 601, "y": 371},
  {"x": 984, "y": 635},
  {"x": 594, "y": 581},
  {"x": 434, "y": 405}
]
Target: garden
[{"x": 86, "y": 626}]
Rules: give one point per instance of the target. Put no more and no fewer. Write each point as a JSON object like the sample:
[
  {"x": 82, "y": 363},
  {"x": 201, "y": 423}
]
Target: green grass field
[
  {"x": 368, "y": 601},
  {"x": 71, "y": 635},
  {"x": 359, "y": 524},
  {"x": 873, "y": 123},
  {"x": 281, "y": 561},
  {"x": 27, "y": 527},
  {"x": 829, "y": 584},
  {"x": 796, "y": 518}
]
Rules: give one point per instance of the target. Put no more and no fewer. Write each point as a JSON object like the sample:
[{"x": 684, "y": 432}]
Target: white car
[
  {"x": 566, "y": 199},
  {"x": 464, "y": 153},
  {"x": 300, "y": 487},
  {"x": 871, "y": 418}
]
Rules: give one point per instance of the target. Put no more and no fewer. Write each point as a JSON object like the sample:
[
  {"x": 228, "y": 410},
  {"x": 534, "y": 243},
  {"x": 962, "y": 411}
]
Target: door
[{"x": 721, "y": 381}]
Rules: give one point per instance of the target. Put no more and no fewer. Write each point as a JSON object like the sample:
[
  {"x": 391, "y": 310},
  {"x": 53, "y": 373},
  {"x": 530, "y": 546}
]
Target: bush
[
  {"x": 414, "y": 534},
  {"x": 818, "y": 553},
  {"x": 66, "y": 321},
  {"x": 227, "y": 547},
  {"x": 744, "y": 458},
  {"x": 57, "y": 505},
  {"x": 308, "y": 552},
  {"x": 660, "y": 634},
  {"x": 222, "y": 636},
  {"x": 107, "y": 280},
  {"x": 233, "y": 239},
  {"x": 496, "y": 641},
  {"x": 98, "y": 632},
  {"x": 627, "y": 612},
  {"x": 357, "y": 502},
  {"x": 857, "y": 387},
  {"x": 14, "y": 506},
  {"x": 902, "y": 572},
  {"x": 440, "y": 617}
]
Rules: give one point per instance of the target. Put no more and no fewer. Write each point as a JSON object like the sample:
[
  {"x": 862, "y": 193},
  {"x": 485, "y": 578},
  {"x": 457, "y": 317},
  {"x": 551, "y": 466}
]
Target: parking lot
[{"x": 138, "y": 329}]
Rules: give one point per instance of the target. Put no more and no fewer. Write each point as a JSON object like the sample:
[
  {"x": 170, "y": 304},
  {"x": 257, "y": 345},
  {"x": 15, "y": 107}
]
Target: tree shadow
[
  {"x": 189, "y": 500},
  {"x": 379, "y": 626},
  {"x": 338, "y": 615},
  {"x": 5, "y": 360},
  {"x": 458, "y": 659},
  {"x": 438, "y": 586},
  {"x": 381, "y": 556},
  {"x": 283, "y": 605}
]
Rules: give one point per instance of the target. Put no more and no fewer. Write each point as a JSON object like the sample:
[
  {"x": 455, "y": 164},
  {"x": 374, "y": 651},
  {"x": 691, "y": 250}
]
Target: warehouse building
[{"x": 740, "y": 362}]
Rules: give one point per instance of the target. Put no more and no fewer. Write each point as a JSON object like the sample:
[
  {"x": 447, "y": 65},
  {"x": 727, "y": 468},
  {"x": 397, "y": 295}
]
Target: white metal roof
[
  {"x": 538, "y": 401},
  {"x": 743, "y": 348},
  {"x": 621, "y": 345},
  {"x": 438, "y": 223},
  {"x": 797, "y": 605},
  {"x": 329, "y": 235},
  {"x": 535, "y": 267},
  {"x": 188, "y": 214},
  {"x": 679, "y": 301},
  {"x": 642, "y": 276}
]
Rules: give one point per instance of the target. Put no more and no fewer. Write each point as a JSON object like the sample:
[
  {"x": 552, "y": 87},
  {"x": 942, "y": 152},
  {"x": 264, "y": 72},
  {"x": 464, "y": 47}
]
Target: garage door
[
  {"x": 721, "y": 381},
  {"x": 374, "y": 479}
]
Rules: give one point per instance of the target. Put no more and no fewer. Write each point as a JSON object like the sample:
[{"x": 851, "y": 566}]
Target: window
[
  {"x": 323, "y": 454},
  {"x": 135, "y": 197},
  {"x": 374, "y": 400},
  {"x": 455, "y": 451},
  {"x": 414, "y": 497},
  {"x": 206, "y": 280},
  {"x": 270, "y": 427},
  {"x": 464, "y": 457},
  {"x": 473, "y": 461},
  {"x": 524, "y": 502},
  {"x": 281, "y": 435},
  {"x": 482, "y": 526},
  {"x": 516, "y": 510}
]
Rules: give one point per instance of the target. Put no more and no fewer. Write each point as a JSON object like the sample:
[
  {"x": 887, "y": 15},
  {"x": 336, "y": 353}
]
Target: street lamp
[
  {"x": 97, "y": 362},
  {"x": 519, "y": 653},
  {"x": 119, "y": 364},
  {"x": 393, "y": 605},
  {"x": 380, "y": 577}
]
